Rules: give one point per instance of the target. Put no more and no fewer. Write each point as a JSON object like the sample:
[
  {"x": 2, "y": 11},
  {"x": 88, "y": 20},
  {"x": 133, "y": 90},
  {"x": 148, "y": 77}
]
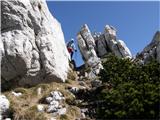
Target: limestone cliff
[{"x": 32, "y": 46}]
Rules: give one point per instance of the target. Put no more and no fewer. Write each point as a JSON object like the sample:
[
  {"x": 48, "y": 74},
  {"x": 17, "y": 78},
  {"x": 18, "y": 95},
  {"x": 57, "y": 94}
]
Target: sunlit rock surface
[{"x": 32, "y": 43}]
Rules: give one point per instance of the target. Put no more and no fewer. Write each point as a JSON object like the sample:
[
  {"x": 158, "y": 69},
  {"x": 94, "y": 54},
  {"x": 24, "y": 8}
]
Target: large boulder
[
  {"x": 151, "y": 51},
  {"x": 32, "y": 45}
]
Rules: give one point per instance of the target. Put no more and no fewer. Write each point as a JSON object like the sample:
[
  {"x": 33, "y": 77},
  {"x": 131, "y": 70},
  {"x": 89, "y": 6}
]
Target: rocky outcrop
[
  {"x": 32, "y": 46},
  {"x": 96, "y": 46},
  {"x": 86, "y": 44},
  {"x": 55, "y": 103},
  {"x": 151, "y": 51},
  {"x": 107, "y": 43}
]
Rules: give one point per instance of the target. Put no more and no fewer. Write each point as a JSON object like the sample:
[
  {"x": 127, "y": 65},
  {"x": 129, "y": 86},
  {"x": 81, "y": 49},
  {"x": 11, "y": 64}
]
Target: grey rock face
[
  {"x": 118, "y": 47},
  {"x": 151, "y": 51},
  {"x": 100, "y": 44},
  {"x": 158, "y": 52},
  {"x": 87, "y": 46},
  {"x": 86, "y": 43},
  {"x": 123, "y": 49},
  {"x": 93, "y": 47},
  {"x": 32, "y": 46}
]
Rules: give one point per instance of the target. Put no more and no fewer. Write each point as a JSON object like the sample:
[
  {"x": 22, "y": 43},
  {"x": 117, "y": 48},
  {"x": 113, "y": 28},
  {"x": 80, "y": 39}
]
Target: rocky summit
[
  {"x": 32, "y": 46},
  {"x": 101, "y": 44},
  {"x": 95, "y": 46},
  {"x": 151, "y": 51}
]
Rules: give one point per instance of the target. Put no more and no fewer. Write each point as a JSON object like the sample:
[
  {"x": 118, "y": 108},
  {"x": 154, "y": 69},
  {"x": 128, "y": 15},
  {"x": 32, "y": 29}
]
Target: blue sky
[{"x": 136, "y": 22}]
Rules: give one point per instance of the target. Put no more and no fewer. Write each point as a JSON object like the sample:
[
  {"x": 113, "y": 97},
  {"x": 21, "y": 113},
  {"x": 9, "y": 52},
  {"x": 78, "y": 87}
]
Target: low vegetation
[
  {"x": 132, "y": 91},
  {"x": 128, "y": 91},
  {"x": 24, "y": 107}
]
